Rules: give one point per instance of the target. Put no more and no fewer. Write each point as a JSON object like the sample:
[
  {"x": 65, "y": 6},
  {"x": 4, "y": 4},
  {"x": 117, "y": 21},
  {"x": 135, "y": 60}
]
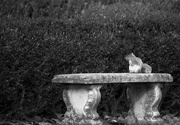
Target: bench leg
[
  {"x": 144, "y": 101},
  {"x": 81, "y": 102}
]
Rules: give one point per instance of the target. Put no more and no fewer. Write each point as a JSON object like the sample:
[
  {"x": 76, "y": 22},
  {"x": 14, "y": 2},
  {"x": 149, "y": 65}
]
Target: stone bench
[{"x": 81, "y": 95}]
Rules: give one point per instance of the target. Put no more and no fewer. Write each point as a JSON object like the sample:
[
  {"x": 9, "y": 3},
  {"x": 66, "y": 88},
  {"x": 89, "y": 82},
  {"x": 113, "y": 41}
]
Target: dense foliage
[{"x": 96, "y": 39}]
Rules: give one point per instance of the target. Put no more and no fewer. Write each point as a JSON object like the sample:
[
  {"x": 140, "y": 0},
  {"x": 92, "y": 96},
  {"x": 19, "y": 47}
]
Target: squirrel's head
[{"x": 130, "y": 56}]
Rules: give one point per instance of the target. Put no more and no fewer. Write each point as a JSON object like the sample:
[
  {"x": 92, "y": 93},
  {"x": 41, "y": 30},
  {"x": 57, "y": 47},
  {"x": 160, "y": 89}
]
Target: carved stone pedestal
[
  {"x": 144, "y": 101},
  {"x": 81, "y": 95},
  {"x": 81, "y": 102}
]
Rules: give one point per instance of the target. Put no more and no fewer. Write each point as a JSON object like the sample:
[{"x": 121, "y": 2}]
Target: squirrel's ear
[{"x": 132, "y": 54}]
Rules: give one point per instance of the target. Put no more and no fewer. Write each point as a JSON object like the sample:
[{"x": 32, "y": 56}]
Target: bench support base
[
  {"x": 144, "y": 101},
  {"x": 81, "y": 102}
]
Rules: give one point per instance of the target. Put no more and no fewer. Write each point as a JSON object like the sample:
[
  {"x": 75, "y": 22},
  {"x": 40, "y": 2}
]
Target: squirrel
[{"x": 136, "y": 65}]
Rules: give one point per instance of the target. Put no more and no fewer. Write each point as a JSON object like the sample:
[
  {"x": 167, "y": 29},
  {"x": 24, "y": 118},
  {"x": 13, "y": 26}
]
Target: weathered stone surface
[
  {"x": 96, "y": 78},
  {"x": 144, "y": 101},
  {"x": 81, "y": 102},
  {"x": 81, "y": 95}
]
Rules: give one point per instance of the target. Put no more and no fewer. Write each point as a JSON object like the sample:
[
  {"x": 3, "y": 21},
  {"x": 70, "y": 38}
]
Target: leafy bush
[{"x": 70, "y": 8}]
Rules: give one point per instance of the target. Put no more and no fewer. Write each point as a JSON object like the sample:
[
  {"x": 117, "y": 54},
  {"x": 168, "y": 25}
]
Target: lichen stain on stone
[
  {"x": 154, "y": 98},
  {"x": 94, "y": 78},
  {"x": 81, "y": 102},
  {"x": 68, "y": 121},
  {"x": 145, "y": 101},
  {"x": 78, "y": 99}
]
